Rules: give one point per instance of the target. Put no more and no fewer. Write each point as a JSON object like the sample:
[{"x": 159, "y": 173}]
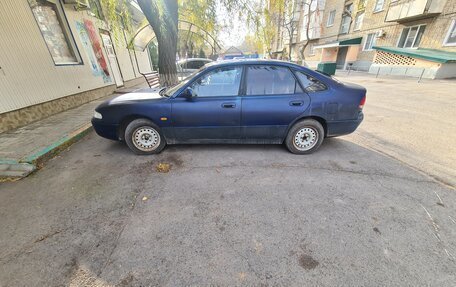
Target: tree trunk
[
  {"x": 163, "y": 17},
  {"x": 303, "y": 48}
]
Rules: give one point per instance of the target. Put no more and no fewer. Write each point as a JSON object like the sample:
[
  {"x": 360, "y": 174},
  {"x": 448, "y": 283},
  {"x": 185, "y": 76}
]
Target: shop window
[
  {"x": 53, "y": 25},
  {"x": 411, "y": 36},
  {"x": 370, "y": 42},
  {"x": 450, "y": 39}
]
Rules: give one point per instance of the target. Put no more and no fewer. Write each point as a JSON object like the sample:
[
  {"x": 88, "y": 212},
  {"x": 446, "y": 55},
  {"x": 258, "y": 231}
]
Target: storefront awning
[
  {"x": 342, "y": 43},
  {"x": 432, "y": 55}
]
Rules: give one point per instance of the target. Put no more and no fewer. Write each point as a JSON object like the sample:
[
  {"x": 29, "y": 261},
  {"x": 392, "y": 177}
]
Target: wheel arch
[
  {"x": 321, "y": 120},
  {"x": 128, "y": 119}
]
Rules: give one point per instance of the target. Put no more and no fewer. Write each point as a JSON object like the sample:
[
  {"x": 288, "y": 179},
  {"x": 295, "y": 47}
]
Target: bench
[{"x": 152, "y": 79}]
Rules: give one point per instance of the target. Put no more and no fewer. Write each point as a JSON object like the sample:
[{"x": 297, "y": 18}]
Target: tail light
[{"x": 362, "y": 102}]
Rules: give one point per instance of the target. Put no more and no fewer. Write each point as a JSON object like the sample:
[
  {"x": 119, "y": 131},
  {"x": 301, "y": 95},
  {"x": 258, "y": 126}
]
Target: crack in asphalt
[
  {"x": 436, "y": 178},
  {"x": 137, "y": 192},
  {"x": 312, "y": 168}
]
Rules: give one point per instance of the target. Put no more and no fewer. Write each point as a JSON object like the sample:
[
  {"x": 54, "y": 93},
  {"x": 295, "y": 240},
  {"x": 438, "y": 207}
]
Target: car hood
[{"x": 138, "y": 95}]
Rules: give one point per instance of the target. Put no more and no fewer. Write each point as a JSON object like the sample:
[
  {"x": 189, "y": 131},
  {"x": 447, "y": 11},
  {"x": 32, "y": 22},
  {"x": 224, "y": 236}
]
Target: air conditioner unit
[
  {"x": 79, "y": 4},
  {"x": 380, "y": 33}
]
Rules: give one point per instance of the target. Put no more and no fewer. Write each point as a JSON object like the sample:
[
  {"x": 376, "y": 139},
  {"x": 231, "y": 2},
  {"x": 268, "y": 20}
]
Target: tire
[
  {"x": 143, "y": 137},
  {"x": 305, "y": 137}
]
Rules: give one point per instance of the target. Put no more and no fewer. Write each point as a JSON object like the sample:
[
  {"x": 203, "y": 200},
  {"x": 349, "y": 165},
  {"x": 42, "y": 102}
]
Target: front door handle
[
  {"x": 228, "y": 105},
  {"x": 296, "y": 103}
]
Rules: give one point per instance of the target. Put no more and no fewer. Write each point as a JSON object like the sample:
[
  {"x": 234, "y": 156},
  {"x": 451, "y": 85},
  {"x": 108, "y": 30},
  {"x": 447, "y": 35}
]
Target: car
[
  {"x": 234, "y": 102},
  {"x": 188, "y": 66}
]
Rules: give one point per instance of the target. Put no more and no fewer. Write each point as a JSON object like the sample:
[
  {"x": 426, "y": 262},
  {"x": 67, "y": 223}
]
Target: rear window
[{"x": 309, "y": 83}]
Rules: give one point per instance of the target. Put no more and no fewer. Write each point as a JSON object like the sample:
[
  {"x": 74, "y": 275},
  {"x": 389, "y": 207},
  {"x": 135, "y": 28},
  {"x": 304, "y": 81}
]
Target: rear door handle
[
  {"x": 296, "y": 103},
  {"x": 228, "y": 105}
]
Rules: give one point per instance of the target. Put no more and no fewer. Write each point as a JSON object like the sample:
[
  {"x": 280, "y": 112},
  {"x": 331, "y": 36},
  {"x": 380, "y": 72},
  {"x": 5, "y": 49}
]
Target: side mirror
[{"x": 188, "y": 93}]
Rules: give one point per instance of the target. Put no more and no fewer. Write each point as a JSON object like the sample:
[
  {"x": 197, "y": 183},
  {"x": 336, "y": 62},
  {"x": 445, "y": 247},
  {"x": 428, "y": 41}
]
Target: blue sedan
[{"x": 240, "y": 101}]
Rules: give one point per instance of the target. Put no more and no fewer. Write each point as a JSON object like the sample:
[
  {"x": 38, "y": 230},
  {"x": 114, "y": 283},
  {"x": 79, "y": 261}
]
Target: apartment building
[
  {"x": 400, "y": 37},
  {"x": 58, "y": 54}
]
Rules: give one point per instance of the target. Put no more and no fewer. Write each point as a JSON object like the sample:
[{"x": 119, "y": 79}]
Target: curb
[{"x": 11, "y": 169}]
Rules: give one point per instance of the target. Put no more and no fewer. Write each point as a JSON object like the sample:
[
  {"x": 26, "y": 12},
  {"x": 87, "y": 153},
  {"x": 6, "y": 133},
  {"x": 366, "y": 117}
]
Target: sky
[{"x": 234, "y": 30}]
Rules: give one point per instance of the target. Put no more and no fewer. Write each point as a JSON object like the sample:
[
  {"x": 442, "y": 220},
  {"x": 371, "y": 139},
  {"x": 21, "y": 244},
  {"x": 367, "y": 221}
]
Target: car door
[
  {"x": 214, "y": 113},
  {"x": 272, "y": 99}
]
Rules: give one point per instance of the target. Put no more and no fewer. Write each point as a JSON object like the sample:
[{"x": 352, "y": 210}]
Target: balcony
[{"x": 410, "y": 10}]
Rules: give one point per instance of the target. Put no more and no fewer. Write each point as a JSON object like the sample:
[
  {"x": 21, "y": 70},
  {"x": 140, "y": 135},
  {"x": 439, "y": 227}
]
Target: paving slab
[{"x": 23, "y": 148}]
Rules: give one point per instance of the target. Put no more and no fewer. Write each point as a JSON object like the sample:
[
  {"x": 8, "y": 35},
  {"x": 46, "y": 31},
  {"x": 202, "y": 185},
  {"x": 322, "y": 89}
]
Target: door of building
[
  {"x": 341, "y": 57},
  {"x": 109, "y": 48}
]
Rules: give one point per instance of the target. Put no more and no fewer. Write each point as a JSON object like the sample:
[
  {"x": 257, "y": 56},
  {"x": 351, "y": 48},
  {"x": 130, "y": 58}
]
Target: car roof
[
  {"x": 194, "y": 59},
  {"x": 250, "y": 62}
]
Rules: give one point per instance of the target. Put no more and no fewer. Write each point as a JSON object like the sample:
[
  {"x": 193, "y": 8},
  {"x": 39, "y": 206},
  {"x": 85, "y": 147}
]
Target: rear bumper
[
  {"x": 108, "y": 131},
  {"x": 339, "y": 128}
]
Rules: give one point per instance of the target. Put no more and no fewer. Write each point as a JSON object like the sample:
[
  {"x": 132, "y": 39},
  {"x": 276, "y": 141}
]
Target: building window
[
  {"x": 311, "y": 49},
  {"x": 358, "y": 21},
  {"x": 346, "y": 19},
  {"x": 450, "y": 39},
  {"x": 51, "y": 20},
  {"x": 411, "y": 36},
  {"x": 370, "y": 42},
  {"x": 379, "y": 5},
  {"x": 331, "y": 17}
]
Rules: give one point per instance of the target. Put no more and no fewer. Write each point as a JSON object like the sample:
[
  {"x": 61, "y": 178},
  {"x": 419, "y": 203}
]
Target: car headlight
[{"x": 97, "y": 115}]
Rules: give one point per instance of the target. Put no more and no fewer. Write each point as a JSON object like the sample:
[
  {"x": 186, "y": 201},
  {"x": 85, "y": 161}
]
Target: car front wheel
[
  {"x": 144, "y": 137},
  {"x": 305, "y": 137}
]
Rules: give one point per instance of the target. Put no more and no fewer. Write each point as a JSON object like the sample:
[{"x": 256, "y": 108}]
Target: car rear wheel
[
  {"x": 144, "y": 137},
  {"x": 305, "y": 137}
]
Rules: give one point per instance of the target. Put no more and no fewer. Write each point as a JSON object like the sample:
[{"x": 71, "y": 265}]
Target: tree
[
  {"x": 162, "y": 15},
  {"x": 307, "y": 9},
  {"x": 201, "y": 14},
  {"x": 289, "y": 22}
]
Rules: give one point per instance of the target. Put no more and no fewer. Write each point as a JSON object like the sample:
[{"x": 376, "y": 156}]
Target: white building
[{"x": 58, "y": 54}]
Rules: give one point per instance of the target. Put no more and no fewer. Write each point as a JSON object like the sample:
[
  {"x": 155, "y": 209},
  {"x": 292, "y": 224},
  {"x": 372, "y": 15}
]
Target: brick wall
[{"x": 436, "y": 28}]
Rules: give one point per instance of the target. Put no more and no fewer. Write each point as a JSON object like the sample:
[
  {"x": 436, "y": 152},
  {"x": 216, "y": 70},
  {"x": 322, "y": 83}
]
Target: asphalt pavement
[{"x": 352, "y": 214}]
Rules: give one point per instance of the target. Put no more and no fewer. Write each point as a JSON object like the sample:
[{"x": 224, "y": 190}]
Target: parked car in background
[
  {"x": 236, "y": 101},
  {"x": 186, "y": 67}
]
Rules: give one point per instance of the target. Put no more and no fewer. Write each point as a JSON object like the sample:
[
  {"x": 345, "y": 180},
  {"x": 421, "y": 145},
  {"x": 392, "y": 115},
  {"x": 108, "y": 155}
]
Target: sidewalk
[{"x": 23, "y": 149}]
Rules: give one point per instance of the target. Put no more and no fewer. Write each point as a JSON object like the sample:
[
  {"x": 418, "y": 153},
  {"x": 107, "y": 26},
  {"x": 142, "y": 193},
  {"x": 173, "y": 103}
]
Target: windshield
[{"x": 167, "y": 92}]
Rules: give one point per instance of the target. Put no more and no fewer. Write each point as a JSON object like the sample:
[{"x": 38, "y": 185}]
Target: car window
[
  {"x": 269, "y": 80},
  {"x": 195, "y": 64},
  {"x": 223, "y": 81},
  {"x": 309, "y": 83}
]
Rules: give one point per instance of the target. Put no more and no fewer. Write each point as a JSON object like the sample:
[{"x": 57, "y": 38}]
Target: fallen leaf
[
  {"x": 163, "y": 167},
  {"x": 242, "y": 276}
]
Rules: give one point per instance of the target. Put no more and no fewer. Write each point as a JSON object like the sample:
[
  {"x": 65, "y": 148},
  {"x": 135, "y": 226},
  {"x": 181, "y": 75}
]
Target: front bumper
[
  {"x": 339, "y": 128},
  {"x": 109, "y": 131}
]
